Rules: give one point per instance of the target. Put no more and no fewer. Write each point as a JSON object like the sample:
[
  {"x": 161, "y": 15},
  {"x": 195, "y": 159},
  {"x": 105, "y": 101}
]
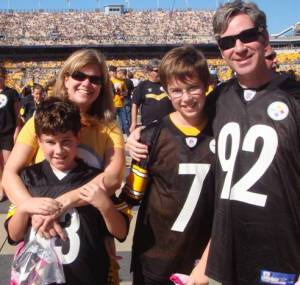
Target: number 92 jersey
[
  {"x": 257, "y": 220},
  {"x": 175, "y": 218}
]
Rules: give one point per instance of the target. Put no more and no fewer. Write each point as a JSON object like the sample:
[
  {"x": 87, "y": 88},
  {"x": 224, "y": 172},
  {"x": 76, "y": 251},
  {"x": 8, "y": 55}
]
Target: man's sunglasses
[
  {"x": 246, "y": 36},
  {"x": 80, "y": 76},
  {"x": 271, "y": 56}
]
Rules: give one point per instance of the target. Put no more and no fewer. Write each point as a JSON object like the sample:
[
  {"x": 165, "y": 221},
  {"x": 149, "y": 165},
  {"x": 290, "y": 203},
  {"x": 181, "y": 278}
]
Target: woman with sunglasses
[{"x": 84, "y": 80}]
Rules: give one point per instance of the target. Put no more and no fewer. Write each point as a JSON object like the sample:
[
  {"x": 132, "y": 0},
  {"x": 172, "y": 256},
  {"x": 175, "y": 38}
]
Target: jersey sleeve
[
  {"x": 124, "y": 209},
  {"x": 10, "y": 213},
  {"x": 115, "y": 135},
  {"x": 137, "y": 96}
]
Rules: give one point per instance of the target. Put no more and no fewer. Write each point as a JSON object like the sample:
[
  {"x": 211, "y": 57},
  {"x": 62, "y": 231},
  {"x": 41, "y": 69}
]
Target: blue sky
[{"x": 280, "y": 14}]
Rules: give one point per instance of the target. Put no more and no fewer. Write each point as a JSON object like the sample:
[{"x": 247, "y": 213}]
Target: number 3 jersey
[
  {"x": 83, "y": 254},
  {"x": 256, "y": 230},
  {"x": 175, "y": 217}
]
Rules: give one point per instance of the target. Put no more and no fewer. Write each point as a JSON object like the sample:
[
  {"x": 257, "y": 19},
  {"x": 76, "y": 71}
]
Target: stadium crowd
[
  {"x": 21, "y": 73},
  {"x": 183, "y": 78},
  {"x": 134, "y": 27}
]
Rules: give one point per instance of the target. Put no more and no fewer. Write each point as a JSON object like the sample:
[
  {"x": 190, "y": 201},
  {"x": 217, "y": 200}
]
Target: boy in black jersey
[
  {"x": 82, "y": 253},
  {"x": 175, "y": 181}
]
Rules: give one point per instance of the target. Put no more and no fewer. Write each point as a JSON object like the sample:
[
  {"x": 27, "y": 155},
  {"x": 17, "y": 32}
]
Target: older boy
[
  {"x": 83, "y": 253},
  {"x": 176, "y": 180}
]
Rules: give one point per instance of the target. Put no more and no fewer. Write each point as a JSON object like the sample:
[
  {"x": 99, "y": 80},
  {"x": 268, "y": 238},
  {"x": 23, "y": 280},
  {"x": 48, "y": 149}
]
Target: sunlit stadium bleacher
[
  {"x": 98, "y": 29},
  {"x": 82, "y": 27}
]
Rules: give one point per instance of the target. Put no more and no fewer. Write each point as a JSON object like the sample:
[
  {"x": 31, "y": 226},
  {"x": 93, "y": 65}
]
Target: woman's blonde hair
[{"x": 102, "y": 108}]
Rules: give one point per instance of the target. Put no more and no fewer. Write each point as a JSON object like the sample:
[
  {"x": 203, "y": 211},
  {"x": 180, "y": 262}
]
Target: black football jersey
[
  {"x": 84, "y": 257},
  {"x": 154, "y": 101},
  {"x": 256, "y": 230},
  {"x": 175, "y": 217},
  {"x": 8, "y": 97}
]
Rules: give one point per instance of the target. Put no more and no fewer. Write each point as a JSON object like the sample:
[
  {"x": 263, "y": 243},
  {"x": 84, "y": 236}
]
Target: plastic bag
[
  {"x": 179, "y": 279},
  {"x": 37, "y": 264}
]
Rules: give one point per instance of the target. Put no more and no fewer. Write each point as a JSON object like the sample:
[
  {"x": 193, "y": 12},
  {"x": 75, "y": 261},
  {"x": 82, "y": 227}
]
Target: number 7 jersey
[
  {"x": 175, "y": 217},
  {"x": 257, "y": 220}
]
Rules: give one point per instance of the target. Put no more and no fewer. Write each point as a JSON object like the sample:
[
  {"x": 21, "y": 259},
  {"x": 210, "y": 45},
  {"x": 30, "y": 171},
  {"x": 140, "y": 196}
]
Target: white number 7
[{"x": 200, "y": 171}]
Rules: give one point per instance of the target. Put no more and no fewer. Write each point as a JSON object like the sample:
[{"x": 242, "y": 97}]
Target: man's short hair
[
  {"x": 123, "y": 71},
  {"x": 153, "y": 64},
  {"x": 55, "y": 115},
  {"x": 112, "y": 68},
  {"x": 183, "y": 63},
  {"x": 229, "y": 9},
  {"x": 37, "y": 86},
  {"x": 3, "y": 72}
]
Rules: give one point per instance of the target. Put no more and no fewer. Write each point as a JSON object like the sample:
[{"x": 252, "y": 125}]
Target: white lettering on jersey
[
  {"x": 240, "y": 190},
  {"x": 3, "y": 100},
  {"x": 74, "y": 242},
  {"x": 71, "y": 218},
  {"x": 200, "y": 171}
]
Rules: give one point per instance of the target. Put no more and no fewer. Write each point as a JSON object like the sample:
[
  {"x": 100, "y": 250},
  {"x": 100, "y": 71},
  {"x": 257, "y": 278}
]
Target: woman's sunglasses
[
  {"x": 80, "y": 76},
  {"x": 246, "y": 36}
]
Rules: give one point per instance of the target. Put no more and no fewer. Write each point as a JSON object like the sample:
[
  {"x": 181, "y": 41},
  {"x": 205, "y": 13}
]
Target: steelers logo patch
[
  {"x": 191, "y": 141},
  {"x": 3, "y": 100},
  {"x": 162, "y": 89},
  {"x": 249, "y": 94},
  {"x": 278, "y": 111}
]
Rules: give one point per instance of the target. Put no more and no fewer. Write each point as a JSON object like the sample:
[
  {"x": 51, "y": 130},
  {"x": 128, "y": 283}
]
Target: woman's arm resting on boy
[
  {"x": 15, "y": 189},
  {"x": 108, "y": 181}
]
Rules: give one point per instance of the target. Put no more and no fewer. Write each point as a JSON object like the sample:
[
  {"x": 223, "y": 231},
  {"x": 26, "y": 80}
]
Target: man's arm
[
  {"x": 18, "y": 119},
  {"x": 134, "y": 113}
]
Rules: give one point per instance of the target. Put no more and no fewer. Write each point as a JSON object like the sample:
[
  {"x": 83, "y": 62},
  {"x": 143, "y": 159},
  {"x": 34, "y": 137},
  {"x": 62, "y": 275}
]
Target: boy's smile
[
  {"x": 188, "y": 99},
  {"x": 59, "y": 149}
]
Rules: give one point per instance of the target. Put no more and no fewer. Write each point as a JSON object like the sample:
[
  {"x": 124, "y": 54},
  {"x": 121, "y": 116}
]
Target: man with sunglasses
[
  {"x": 256, "y": 232},
  {"x": 270, "y": 57},
  {"x": 151, "y": 97}
]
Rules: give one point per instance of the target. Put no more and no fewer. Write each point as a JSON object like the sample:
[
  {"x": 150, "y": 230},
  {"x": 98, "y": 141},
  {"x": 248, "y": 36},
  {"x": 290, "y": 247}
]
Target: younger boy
[
  {"x": 82, "y": 254},
  {"x": 175, "y": 182}
]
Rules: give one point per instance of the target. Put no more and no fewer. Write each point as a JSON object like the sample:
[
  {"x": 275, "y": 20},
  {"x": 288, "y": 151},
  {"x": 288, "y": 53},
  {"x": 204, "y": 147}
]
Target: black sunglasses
[
  {"x": 271, "y": 56},
  {"x": 246, "y": 36},
  {"x": 80, "y": 76}
]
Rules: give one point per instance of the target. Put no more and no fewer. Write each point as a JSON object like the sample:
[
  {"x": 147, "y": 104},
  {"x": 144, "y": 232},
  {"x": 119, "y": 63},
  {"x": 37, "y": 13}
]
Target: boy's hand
[
  {"x": 94, "y": 195},
  {"x": 47, "y": 226},
  {"x": 41, "y": 206},
  {"x": 136, "y": 149}
]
